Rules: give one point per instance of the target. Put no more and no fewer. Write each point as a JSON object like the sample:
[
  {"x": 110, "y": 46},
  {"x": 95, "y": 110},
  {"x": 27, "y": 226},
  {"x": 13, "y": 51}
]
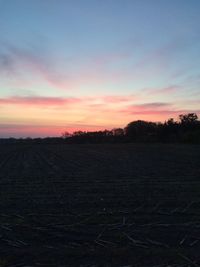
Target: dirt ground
[{"x": 100, "y": 205}]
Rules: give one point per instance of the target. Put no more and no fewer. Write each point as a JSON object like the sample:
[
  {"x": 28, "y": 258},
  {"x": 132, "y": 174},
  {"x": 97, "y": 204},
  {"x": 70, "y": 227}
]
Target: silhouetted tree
[
  {"x": 187, "y": 130},
  {"x": 170, "y": 122},
  {"x": 78, "y": 133},
  {"x": 141, "y": 130},
  {"x": 168, "y": 132},
  {"x": 190, "y": 118},
  {"x": 66, "y": 135},
  {"x": 118, "y": 132}
]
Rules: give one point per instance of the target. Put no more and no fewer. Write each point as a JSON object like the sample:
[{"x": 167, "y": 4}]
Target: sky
[{"x": 69, "y": 65}]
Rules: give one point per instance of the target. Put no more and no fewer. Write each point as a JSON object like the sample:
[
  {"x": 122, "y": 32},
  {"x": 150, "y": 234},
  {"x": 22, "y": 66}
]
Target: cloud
[
  {"x": 118, "y": 99},
  {"x": 114, "y": 68},
  {"x": 157, "y": 109},
  {"x": 152, "y": 105},
  {"x": 39, "y": 101},
  {"x": 93, "y": 101},
  {"x": 22, "y": 63},
  {"x": 165, "y": 90},
  {"x": 16, "y": 62},
  {"x": 110, "y": 68}
]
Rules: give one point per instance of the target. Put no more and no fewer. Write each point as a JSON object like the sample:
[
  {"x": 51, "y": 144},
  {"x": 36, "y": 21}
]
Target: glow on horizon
[{"x": 98, "y": 65}]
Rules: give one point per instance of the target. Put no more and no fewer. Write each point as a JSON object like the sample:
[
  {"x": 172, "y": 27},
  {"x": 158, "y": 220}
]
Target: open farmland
[{"x": 100, "y": 205}]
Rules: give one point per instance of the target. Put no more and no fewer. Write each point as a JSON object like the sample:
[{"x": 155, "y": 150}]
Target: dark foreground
[{"x": 100, "y": 205}]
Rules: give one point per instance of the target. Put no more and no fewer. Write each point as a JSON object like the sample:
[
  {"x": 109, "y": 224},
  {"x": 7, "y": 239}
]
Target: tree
[
  {"x": 66, "y": 135},
  {"x": 171, "y": 122},
  {"x": 139, "y": 129},
  {"x": 189, "y": 118},
  {"x": 79, "y": 133},
  {"x": 118, "y": 132}
]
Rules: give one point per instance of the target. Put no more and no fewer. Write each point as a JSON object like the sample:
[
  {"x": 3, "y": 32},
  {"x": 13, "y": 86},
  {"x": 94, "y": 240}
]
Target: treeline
[{"x": 185, "y": 130}]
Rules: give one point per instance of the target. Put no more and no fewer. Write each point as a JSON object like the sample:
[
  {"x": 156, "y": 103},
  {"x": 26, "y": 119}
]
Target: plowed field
[{"x": 100, "y": 205}]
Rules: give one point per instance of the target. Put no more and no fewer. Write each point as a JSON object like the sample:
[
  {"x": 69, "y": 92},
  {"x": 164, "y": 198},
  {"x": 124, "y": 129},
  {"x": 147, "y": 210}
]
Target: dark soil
[{"x": 100, "y": 205}]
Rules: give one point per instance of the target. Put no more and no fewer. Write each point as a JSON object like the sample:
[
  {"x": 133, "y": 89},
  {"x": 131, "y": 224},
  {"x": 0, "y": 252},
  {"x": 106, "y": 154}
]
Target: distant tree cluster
[
  {"x": 114, "y": 135},
  {"x": 186, "y": 129}
]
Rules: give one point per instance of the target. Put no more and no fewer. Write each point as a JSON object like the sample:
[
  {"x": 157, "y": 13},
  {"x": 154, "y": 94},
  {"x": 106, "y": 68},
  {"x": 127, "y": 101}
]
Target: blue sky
[{"x": 96, "y": 64}]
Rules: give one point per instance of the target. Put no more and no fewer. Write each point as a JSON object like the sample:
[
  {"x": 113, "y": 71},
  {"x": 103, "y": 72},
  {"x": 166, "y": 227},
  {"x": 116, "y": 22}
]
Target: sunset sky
[{"x": 96, "y": 64}]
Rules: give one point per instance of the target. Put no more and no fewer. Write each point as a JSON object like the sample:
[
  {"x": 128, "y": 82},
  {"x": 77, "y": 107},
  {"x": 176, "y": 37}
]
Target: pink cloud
[
  {"x": 15, "y": 61},
  {"x": 94, "y": 72},
  {"x": 156, "y": 111},
  {"x": 40, "y": 101},
  {"x": 99, "y": 102}
]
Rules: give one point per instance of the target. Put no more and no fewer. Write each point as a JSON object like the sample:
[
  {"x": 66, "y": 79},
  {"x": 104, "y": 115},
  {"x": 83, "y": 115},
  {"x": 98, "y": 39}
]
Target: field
[{"x": 100, "y": 205}]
